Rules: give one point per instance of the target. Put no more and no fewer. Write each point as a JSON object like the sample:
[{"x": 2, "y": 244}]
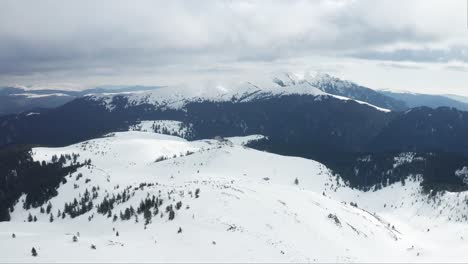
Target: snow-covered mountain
[
  {"x": 336, "y": 86},
  {"x": 14, "y": 100},
  {"x": 148, "y": 197},
  {"x": 176, "y": 97},
  {"x": 322, "y": 85}
]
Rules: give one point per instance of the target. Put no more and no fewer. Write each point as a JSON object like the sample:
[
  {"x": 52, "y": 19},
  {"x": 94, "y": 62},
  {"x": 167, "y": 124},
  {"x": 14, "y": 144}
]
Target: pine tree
[
  {"x": 35, "y": 219},
  {"x": 49, "y": 207},
  {"x": 180, "y": 230},
  {"x": 117, "y": 233},
  {"x": 51, "y": 219},
  {"x": 171, "y": 215},
  {"x": 13, "y": 235},
  {"x": 75, "y": 239},
  {"x": 156, "y": 211},
  {"x": 127, "y": 214},
  {"x": 33, "y": 252},
  {"x": 147, "y": 215},
  {"x": 30, "y": 218},
  {"x": 296, "y": 181}
]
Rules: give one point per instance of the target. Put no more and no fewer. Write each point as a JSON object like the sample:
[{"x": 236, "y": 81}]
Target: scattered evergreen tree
[
  {"x": 147, "y": 215},
  {"x": 30, "y": 218},
  {"x": 35, "y": 219},
  {"x": 180, "y": 230},
  {"x": 13, "y": 235},
  {"x": 49, "y": 207},
  {"x": 93, "y": 246},
  {"x": 296, "y": 181},
  {"x": 171, "y": 215},
  {"x": 33, "y": 252},
  {"x": 75, "y": 239},
  {"x": 51, "y": 218},
  {"x": 197, "y": 193}
]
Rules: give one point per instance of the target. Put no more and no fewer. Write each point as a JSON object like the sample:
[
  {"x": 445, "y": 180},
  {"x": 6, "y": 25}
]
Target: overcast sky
[{"x": 415, "y": 45}]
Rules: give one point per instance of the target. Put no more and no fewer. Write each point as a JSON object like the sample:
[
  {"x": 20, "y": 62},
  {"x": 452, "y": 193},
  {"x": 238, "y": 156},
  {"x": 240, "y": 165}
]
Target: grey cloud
[
  {"x": 401, "y": 66},
  {"x": 458, "y": 53},
  {"x": 115, "y": 36}
]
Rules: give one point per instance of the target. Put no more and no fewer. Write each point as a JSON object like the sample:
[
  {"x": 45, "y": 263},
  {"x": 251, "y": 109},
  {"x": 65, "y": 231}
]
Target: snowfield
[{"x": 230, "y": 204}]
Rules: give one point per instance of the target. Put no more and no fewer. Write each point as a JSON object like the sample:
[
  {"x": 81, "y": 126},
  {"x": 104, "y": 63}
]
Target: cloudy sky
[{"x": 414, "y": 45}]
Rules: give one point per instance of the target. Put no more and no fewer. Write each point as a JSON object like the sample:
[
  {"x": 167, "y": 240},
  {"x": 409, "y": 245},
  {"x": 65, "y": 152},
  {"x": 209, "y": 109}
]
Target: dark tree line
[{"x": 20, "y": 174}]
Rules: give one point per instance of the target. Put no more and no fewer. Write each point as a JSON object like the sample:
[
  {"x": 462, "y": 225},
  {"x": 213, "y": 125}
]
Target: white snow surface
[
  {"x": 249, "y": 209},
  {"x": 176, "y": 97},
  {"x": 167, "y": 127}
]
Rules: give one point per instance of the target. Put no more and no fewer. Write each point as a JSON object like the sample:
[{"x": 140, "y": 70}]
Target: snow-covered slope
[
  {"x": 166, "y": 127},
  {"x": 339, "y": 87},
  {"x": 230, "y": 204},
  {"x": 176, "y": 97}
]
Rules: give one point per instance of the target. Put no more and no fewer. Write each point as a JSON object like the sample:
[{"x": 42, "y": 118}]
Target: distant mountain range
[
  {"x": 15, "y": 100},
  {"x": 412, "y": 100}
]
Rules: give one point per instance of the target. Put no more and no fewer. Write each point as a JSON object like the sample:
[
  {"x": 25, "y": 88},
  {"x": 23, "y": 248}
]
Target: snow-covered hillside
[
  {"x": 160, "y": 198},
  {"x": 166, "y": 127},
  {"x": 338, "y": 87},
  {"x": 176, "y": 97}
]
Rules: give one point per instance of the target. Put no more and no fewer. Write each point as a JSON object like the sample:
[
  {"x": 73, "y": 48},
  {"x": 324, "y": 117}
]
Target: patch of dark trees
[{"x": 20, "y": 174}]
